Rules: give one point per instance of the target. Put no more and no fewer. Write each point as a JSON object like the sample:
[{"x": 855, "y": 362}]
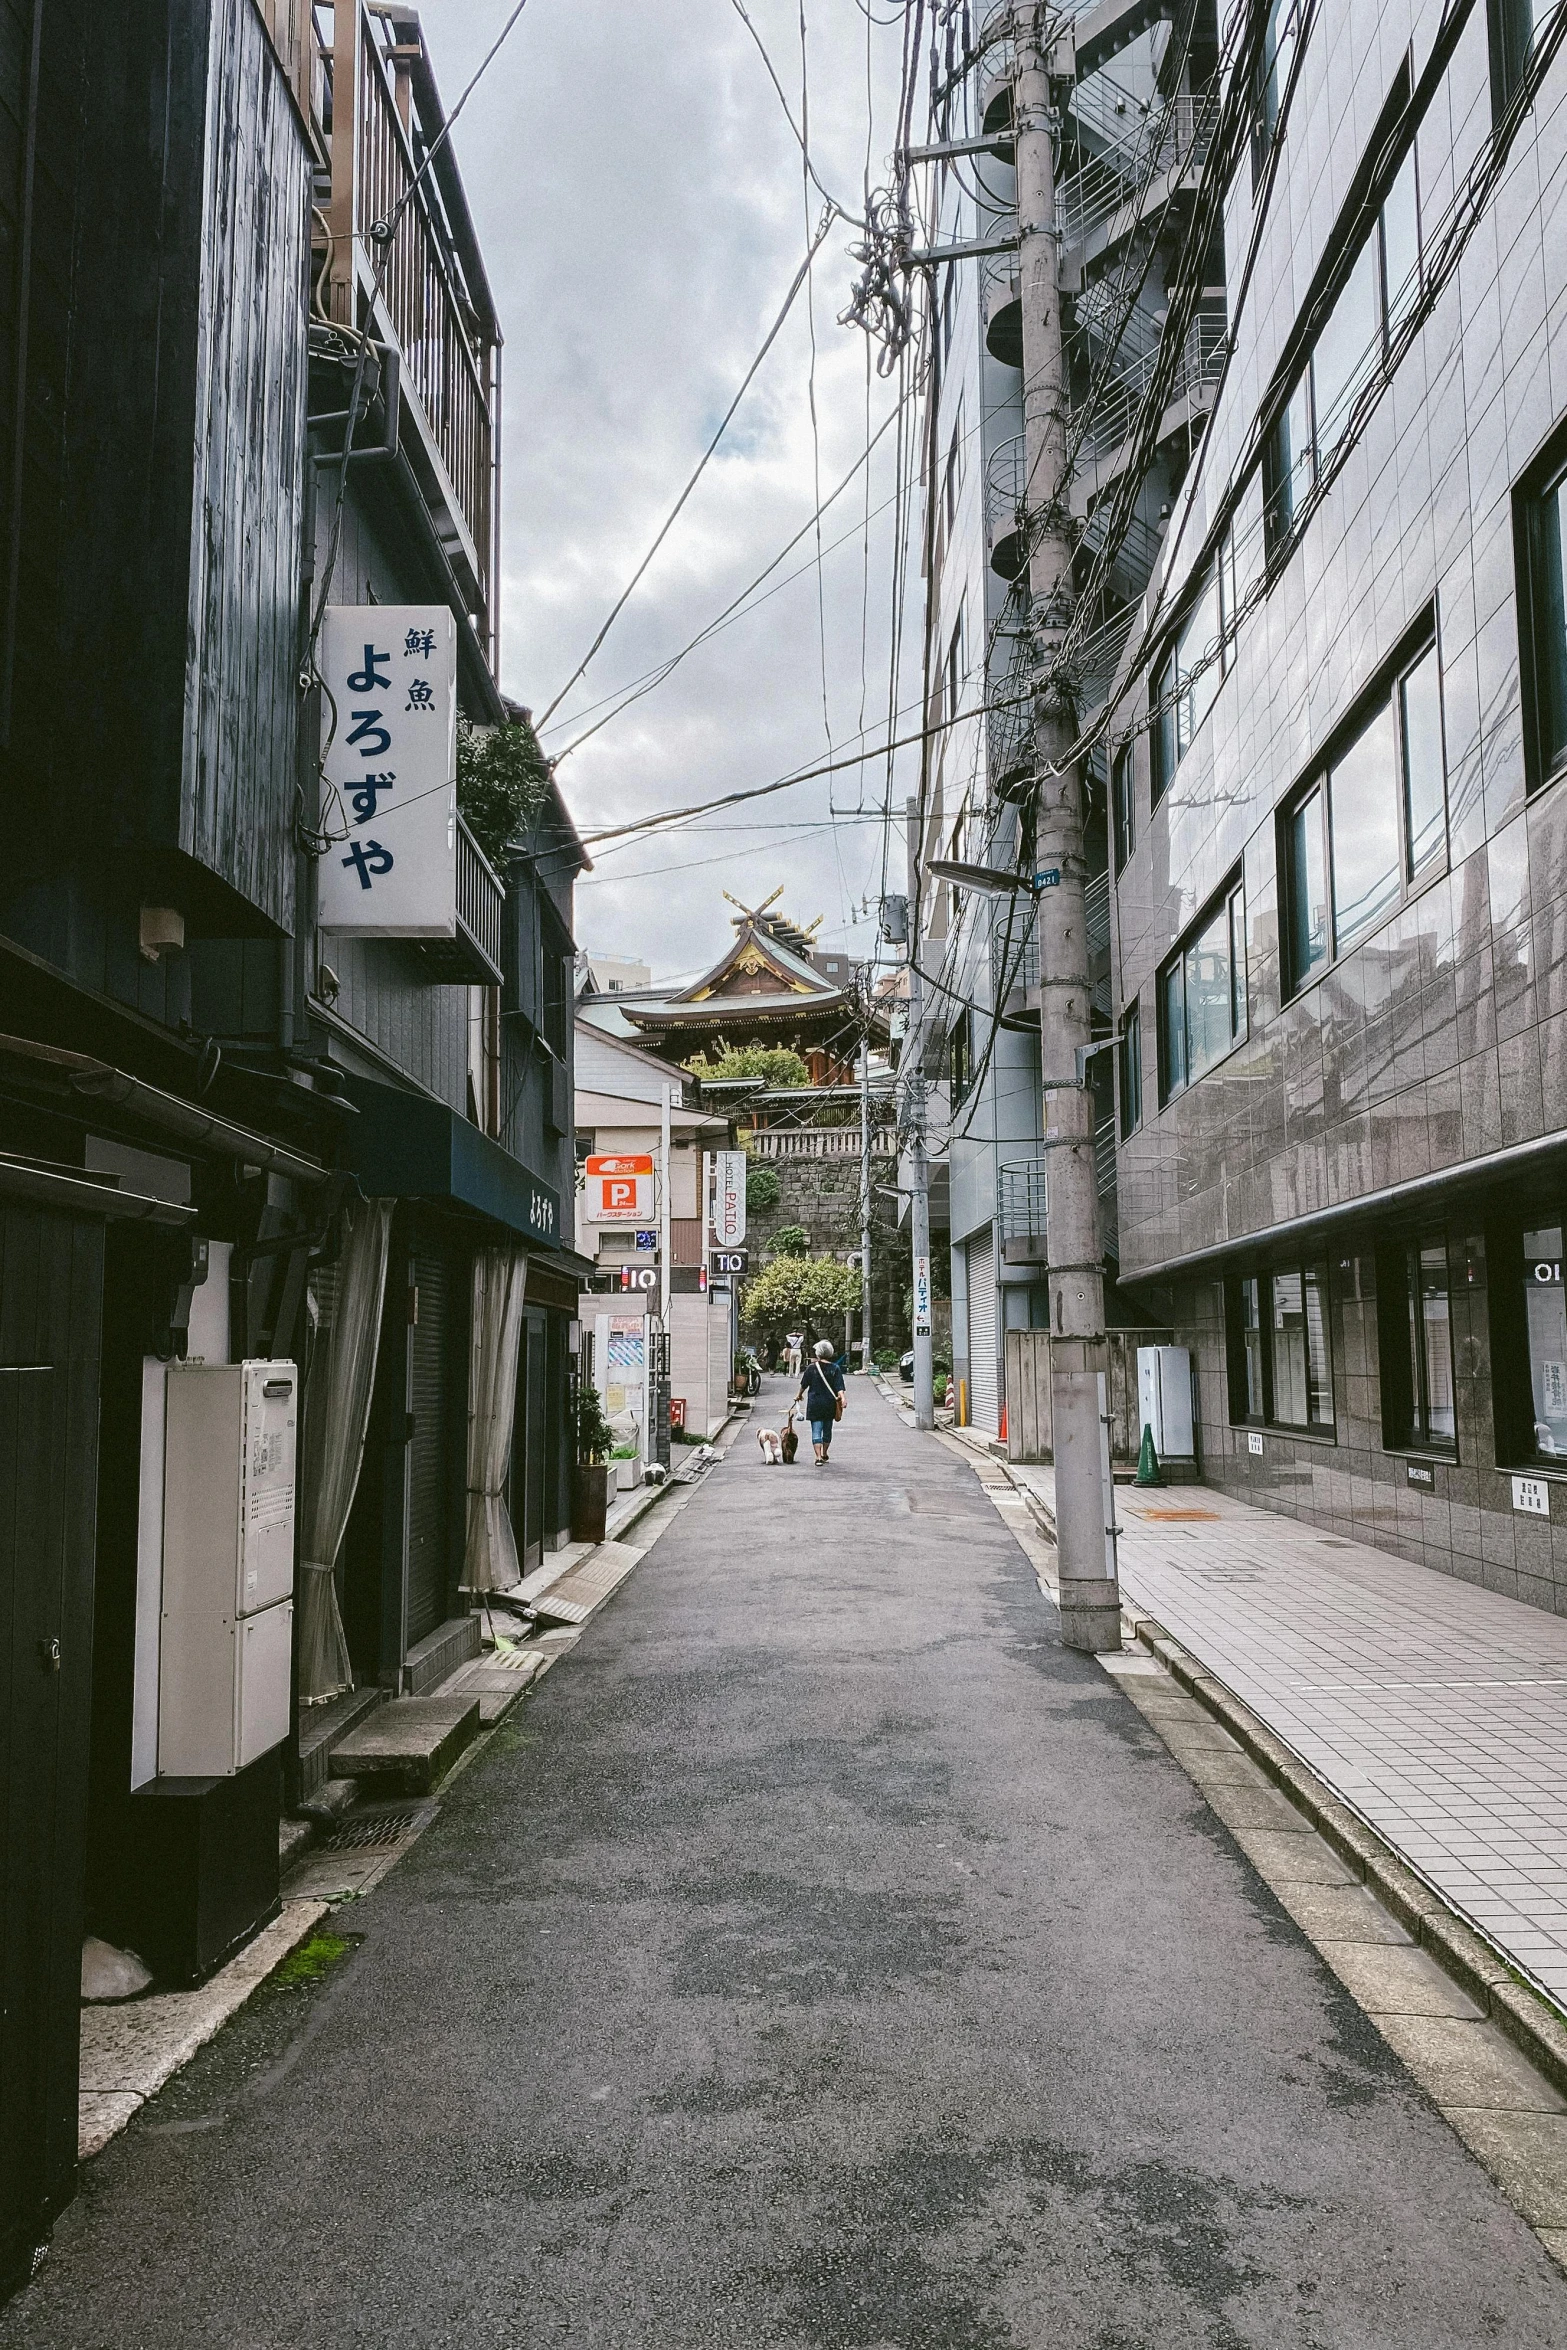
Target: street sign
[
  {"x": 1048, "y": 877},
  {"x": 922, "y": 1297},
  {"x": 620, "y": 1188},
  {"x": 646, "y": 1241},
  {"x": 388, "y": 771},
  {"x": 731, "y": 1260},
  {"x": 639, "y": 1276},
  {"x": 729, "y": 1170}
]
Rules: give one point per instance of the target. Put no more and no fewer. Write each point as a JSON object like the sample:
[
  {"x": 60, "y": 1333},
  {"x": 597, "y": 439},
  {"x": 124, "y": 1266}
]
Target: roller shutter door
[{"x": 982, "y": 1395}]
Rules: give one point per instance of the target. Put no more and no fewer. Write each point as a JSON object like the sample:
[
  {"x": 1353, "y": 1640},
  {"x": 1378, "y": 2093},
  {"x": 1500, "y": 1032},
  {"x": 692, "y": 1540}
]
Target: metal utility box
[
  {"x": 1164, "y": 1400},
  {"x": 228, "y": 1565}
]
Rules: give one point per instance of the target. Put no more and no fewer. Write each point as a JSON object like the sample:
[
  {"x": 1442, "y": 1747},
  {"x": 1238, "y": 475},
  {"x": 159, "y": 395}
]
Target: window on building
[
  {"x": 1279, "y": 1361},
  {"x": 1185, "y": 685},
  {"x": 954, "y": 473},
  {"x": 1545, "y": 1317},
  {"x": 1513, "y": 25},
  {"x": 1202, "y": 994},
  {"x": 1540, "y": 536},
  {"x": 957, "y": 665},
  {"x": 1280, "y": 40},
  {"x": 1129, "y": 1071},
  {"x": 1350, "y": 345},
  {"x": 1419, "y": 1406},
  {"x": 960, "y": 1055},
  {"x": 1370, "y": 826},
  {"x": 1123, "y": 805}
]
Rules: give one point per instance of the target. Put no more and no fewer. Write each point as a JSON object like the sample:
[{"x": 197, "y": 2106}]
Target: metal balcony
[
  {"x": 422, "y": 284},
  {"x": 473, "y": 957},
  {"x": 1006, "y": 519}
]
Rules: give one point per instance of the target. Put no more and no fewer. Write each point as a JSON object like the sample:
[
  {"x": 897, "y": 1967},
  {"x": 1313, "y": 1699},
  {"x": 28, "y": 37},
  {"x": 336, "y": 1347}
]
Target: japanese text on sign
[{"x": 389, "y": 771}]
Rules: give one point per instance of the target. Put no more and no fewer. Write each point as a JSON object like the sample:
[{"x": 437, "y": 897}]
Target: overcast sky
[{"x": 638, "y": 196}]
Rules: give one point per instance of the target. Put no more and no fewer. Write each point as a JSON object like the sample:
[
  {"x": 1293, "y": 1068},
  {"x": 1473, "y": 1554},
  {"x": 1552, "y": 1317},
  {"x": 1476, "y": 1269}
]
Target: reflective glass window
[
  {"x": 1545, "y": 1312},
  {"x": 1367, "y": 859}
]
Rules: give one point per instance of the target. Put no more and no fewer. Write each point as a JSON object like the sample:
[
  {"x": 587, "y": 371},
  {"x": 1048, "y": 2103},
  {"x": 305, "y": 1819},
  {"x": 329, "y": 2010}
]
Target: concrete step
[
  {"x": 440, "y": 1652},
  {"x": 294, "y": 1839},
  {"x": 321, "y": 1726},
  {"x": 408, "y": 1744},
  {"x": 327, "y": 1803},
  {"x": 497, "y": 1679}
]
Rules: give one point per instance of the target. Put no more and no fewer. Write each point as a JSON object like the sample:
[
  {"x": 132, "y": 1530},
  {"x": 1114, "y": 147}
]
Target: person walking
[
  {"x": 821, "y": 1391},
  {"x": 796, "y": 1354}
]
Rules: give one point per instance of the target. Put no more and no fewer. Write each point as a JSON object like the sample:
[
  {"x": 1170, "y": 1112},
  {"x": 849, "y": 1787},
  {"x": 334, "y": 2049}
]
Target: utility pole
[
  {"x": 663, "y": 1209},
  {"x": 865, "y": 1184},
  {"x": 1085, "y": 1543},
  {"x": 919, "y": 1163}
]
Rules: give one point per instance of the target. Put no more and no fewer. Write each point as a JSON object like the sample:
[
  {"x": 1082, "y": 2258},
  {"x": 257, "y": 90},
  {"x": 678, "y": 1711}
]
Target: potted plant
[{"x": 590, "y": 1477}]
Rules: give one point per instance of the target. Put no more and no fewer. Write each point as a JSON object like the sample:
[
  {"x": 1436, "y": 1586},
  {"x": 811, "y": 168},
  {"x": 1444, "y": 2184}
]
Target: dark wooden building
[{"x": 198, "y": 1089}]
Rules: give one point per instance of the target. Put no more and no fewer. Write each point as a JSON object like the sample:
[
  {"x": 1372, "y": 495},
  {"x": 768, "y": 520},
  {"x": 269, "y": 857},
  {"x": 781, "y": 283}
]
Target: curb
[{"x": 1475, "y": 1965}]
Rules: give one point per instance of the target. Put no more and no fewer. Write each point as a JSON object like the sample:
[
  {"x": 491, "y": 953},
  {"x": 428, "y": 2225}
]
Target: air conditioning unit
[{"x": 226, "y": 1647}]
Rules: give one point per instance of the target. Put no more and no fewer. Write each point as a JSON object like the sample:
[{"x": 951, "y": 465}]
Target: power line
[
  {"x": 773, "y": 332},
  {"x": 800, "y": 129}
]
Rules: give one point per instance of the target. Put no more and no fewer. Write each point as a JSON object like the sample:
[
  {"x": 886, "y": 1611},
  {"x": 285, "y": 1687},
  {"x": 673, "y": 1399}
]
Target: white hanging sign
[
  {"x": 922, "y": 1297},
  {"x": 729, "y": 1169},
  {"x": 389, "y": 771}
]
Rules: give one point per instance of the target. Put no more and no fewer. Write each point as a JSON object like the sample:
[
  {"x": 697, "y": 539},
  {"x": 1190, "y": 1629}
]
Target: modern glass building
[{"x": 1338, "y": 752}]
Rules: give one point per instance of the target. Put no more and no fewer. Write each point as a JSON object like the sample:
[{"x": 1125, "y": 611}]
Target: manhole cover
[{"x": 384, "y": 1827}]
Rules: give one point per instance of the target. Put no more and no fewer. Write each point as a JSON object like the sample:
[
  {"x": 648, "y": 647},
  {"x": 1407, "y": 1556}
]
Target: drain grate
[{"x": 385, "y": 1827}]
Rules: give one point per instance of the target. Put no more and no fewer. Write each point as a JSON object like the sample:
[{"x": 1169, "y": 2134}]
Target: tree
[
  {"x": 595, "y": 1437},
  {"x": 762, "y": 1189},
  {"x": 503, "y": 781},
  {"x": 791, "y": 1240},
  {"x": 808, "y": 1291},
  {"x": 776, "y": 1063}
]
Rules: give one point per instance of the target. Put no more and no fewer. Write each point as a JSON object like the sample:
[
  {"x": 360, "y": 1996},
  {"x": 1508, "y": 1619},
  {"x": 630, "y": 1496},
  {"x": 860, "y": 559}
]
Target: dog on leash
[{"x": 779, "y": 1449}]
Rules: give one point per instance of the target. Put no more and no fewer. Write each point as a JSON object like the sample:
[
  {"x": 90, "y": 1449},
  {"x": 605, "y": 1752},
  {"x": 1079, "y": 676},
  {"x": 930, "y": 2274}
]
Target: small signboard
[
  {"x": 1421, "y": 1475},
  {"x": 922, "y": 1297},
  {"x": 1048, "y": 877},
  {"x": 1253, "y": 1441},
  {"x": 1533, "y": 1496},
  {"x": 731, "y": 1260},
  {"x": 729, "y": 1172},
  {"x": 639, "y": 1276},
  {"x": 620, "y": 1188},
  {"x": 388, "y": 771}
]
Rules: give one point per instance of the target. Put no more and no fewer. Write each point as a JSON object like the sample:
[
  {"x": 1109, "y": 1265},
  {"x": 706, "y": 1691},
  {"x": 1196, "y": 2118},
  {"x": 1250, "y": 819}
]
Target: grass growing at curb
[{"x": 313, "y": 1959}]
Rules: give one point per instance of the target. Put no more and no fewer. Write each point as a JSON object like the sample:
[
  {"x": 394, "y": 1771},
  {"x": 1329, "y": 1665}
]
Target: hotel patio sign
[{"x": 389, "y": 771}]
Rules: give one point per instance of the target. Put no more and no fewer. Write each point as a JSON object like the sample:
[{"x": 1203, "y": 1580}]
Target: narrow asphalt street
[{"x": 822, "y": 1956}]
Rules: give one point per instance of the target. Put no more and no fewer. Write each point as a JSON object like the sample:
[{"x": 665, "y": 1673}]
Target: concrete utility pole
[
  {"x": 663, "y": 1208},
  {"x": 919, "y": 1163},
  {"x": 1090, "y": 1597},
  {"x": 865, "y": 1188}
]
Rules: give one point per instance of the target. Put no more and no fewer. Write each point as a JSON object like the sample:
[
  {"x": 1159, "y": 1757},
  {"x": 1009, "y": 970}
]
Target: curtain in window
[
  {"x": 336, "y": 1415},
  {"x": 500, "y": 1280}
]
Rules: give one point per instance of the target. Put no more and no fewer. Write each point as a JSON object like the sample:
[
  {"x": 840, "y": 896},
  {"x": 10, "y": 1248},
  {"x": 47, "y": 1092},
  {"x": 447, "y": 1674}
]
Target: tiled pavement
[{"x": 1437, "y": 1709}]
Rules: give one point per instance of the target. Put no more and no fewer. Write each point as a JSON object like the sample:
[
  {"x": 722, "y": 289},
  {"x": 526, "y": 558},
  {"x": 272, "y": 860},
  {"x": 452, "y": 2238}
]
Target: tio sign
[
  {"x": 729, "y": 1198},
  {"x": 922, "y": 1297},
  {"x": 389, "y": 771},
  {"x": 620, "y": 1187}
]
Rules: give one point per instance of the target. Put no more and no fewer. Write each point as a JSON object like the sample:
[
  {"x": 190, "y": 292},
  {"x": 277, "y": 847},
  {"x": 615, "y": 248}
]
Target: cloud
[{"x": 639, "y": 200}]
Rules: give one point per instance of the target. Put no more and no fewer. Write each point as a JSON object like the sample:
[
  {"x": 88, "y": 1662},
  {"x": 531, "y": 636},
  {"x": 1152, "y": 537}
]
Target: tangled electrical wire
[{"x": 880, "y": 303}]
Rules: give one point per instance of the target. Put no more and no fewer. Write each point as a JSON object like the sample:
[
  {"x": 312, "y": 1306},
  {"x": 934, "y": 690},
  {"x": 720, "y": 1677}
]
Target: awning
[{"x": 406, "y": 1146}]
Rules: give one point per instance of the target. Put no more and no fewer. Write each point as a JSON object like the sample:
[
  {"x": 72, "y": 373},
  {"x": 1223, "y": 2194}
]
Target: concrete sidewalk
[{"x": 1435, "y": 1708}]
